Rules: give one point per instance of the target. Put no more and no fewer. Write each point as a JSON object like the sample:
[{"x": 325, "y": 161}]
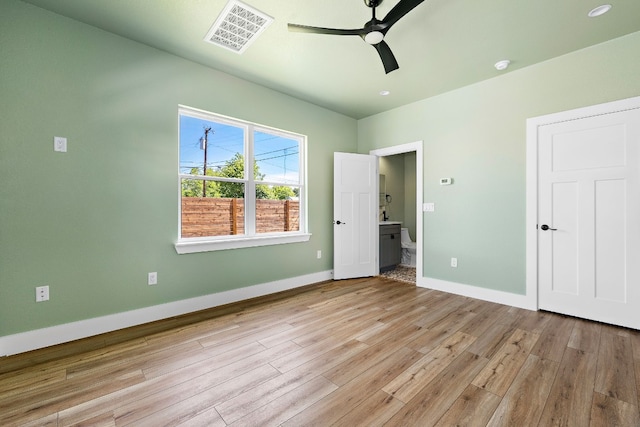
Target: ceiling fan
[{"x": 373, "y": 31}]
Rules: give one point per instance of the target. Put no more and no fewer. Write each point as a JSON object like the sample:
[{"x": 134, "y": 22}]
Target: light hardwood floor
[{"x": 365, "y": 352}]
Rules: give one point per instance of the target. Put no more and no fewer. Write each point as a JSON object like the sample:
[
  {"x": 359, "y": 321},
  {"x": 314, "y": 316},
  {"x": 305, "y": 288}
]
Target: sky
[{"x": 277, "y": 157}]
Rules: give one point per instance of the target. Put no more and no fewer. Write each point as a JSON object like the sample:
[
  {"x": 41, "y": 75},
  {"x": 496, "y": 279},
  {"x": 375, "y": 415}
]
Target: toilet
[{"x": 408, "y": 248}]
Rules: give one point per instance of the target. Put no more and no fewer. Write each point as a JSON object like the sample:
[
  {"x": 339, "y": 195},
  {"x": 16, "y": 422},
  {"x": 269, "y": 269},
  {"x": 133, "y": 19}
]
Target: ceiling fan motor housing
[{"x": 372, "y": 3}]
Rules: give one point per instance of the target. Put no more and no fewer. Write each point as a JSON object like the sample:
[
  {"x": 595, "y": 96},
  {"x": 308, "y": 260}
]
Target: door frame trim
[
  {"x": 531, "y": 210},
  {"x": 401, "y": 149}
]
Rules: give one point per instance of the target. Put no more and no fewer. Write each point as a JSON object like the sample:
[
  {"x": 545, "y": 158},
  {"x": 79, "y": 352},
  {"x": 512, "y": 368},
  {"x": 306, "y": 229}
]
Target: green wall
[
  {"x": 92, "y": 222},
  {"x": 477, "y": 136}
]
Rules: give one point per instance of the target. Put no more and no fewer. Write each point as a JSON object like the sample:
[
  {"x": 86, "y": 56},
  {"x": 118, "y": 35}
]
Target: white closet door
[{"x": 589, "y": 217}]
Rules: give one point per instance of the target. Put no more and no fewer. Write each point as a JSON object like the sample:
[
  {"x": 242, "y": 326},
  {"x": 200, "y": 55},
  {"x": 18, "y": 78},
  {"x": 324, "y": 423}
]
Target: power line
[
  {"x": 221, "y": 162},
  {"x": 276, "y": 157},
  {"x": 275, "y": 151}
]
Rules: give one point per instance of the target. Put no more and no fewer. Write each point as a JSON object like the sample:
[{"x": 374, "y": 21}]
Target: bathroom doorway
[{"x": 401, "y": 200}]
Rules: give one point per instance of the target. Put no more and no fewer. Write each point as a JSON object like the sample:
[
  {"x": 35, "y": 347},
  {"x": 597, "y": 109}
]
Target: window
[{"x": 241, "y": 184}]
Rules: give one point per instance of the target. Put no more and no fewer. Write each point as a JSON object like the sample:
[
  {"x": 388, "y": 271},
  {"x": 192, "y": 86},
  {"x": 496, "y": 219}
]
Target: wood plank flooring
[{"x": 363, "y": 352}]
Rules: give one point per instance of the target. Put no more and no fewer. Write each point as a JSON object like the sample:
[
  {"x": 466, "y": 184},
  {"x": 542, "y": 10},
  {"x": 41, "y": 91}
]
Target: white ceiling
[{"x": 441, "y": 45}]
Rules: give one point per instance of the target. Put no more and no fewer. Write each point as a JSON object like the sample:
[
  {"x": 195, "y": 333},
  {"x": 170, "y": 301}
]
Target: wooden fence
[{"x": 208, "y": 216}]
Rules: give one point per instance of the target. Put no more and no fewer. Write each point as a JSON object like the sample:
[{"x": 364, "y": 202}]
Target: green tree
[
  {"x": 193, "y": 187},
  {"x": 234, "y": 168},
  {"x": 281, "y": 192}
]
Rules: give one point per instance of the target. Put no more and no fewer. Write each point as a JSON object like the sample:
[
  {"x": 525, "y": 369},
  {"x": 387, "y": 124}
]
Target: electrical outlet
[
  {"x": 319, "y": 254},
  {"x": 454, "y": 262},
  {"x": 42, "y": 293},
  {"x": 152, "y": 278}
]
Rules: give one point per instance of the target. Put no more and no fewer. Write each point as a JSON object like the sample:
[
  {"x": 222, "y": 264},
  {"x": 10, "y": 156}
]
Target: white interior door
[
  {"x": 589, "y": 217},
  {"x": 355, "y": 215}
]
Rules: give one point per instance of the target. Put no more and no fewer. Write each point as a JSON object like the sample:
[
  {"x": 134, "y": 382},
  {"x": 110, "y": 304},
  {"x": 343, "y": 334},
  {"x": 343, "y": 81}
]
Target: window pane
[
  {"x": 214, "y": 215},
  {"x": 277, "y": 209},
  {"x": 277, "y": 158},
  {"x": 211, "y": 148}
]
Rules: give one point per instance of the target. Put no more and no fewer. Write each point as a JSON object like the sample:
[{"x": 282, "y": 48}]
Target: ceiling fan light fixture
[
  {"x": 502, "y": 65},
  {"x": 374, "y": 37}
]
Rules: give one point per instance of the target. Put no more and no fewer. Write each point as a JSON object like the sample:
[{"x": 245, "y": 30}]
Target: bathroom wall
[
  {"x": 400, "y": 176},
  {"x": 392, "y": 167},
  {"x": 410, "y": 193}
]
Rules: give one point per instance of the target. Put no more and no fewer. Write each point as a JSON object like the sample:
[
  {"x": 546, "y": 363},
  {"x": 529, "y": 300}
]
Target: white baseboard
[
  {"x": 491, "y": 295},
  {"x": 45, "y": 337}
]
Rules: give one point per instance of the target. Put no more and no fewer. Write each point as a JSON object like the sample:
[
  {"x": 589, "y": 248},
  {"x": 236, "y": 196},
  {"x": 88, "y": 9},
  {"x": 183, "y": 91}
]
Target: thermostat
[{"x": 446, "y": 181}]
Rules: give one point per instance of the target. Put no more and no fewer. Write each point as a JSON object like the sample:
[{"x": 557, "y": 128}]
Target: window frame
[{"x": 186, "y": 245}]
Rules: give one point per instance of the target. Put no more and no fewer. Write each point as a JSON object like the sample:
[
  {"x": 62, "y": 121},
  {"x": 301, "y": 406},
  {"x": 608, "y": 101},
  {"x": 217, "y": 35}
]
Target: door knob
[
  {"x": 545, "y": 227},
  {"x": 339, "y": 222}
]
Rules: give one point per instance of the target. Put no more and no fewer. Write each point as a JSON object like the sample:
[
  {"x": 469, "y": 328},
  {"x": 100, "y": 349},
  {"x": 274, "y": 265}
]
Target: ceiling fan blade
[
  {"x": 399, "y": 10},
  {"x": 388, "y": 60},
  {"x": 319, "y": 30}
]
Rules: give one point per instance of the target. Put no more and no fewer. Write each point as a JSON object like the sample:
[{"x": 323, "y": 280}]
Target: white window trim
[
  {"x": 193, "y": 246},
  {"x": 208, "y": 244}
]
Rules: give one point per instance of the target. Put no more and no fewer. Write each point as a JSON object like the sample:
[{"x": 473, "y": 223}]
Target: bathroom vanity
[{"x": 390, "y": 248}]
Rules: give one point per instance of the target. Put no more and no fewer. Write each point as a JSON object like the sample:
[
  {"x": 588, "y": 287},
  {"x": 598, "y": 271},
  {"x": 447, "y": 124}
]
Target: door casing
[{"x": 408, "y": 148}]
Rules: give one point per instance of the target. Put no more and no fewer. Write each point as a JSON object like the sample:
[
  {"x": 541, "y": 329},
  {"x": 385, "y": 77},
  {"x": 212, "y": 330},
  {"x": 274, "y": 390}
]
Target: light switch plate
[
  {"x": 60, "y": 144},
  {"x": 429, "y": 207},
  {"x": 152, "y": 278}
]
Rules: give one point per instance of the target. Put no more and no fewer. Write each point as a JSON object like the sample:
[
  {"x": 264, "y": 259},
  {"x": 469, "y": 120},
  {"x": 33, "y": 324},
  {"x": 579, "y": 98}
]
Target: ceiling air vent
[{"x": 237, "y": 26}]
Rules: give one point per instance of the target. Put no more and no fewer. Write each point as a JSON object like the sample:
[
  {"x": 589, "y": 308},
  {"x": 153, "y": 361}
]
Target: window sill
[{"x": 195, "y": 246}]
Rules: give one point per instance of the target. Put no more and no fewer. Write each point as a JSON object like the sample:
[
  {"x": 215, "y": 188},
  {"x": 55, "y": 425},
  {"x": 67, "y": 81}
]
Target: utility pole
[
  {"x": 203, "y": 146},
  {"x": 285, "y": 164}
]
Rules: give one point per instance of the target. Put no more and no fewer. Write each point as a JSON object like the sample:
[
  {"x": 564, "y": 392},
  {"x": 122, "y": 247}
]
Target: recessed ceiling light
[
  {"x": 384, "y": 92},
  {"x": 502, "y": 65},
  {"x": 600, "y": 10}
]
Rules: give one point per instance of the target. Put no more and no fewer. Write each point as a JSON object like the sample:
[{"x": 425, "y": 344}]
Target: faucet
[{"x": 384, "y": 216}]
